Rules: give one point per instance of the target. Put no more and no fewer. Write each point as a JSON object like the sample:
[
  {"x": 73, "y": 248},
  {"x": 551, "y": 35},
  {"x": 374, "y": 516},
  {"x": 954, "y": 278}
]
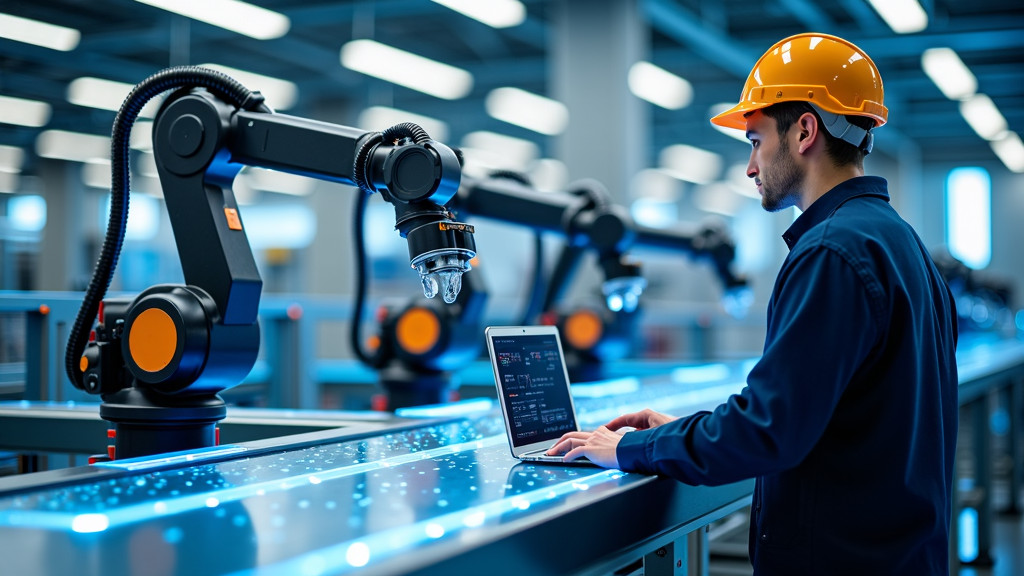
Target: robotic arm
[
  {"x": 588, "y": 219},
  {"x": 159, "y": 360}
]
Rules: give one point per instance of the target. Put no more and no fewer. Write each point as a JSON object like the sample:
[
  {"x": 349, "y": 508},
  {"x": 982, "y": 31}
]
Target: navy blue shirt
[{"x": 849, "y": 419}]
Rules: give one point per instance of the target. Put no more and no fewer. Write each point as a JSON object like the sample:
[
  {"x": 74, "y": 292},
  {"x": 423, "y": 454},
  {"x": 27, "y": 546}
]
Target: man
[{"x": 849, "y": 419}]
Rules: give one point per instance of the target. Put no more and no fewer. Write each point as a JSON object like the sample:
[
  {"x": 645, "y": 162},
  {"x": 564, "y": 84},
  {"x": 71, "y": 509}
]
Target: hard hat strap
[{"x": 839, "y": 127}]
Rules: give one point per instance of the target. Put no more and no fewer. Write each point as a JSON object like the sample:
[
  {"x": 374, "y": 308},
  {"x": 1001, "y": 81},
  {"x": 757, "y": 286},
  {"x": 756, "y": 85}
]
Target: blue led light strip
[
  {"x": 355, "y": 554},
  {"x": 149, "y": 510}
]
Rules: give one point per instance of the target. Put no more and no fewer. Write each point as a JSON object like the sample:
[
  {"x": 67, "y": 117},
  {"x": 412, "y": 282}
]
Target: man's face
[{"x": 775, "y": 172}]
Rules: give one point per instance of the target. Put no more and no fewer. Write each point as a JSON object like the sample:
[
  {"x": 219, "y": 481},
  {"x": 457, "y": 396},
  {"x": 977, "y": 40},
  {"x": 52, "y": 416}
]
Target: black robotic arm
[{"x": 159, "y": 360}]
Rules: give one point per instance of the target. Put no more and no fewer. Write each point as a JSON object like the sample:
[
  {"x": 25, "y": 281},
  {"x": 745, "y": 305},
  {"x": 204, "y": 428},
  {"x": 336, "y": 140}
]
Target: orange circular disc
[
  {"x": 418, "y": 330},
  {"x": 583, "y": 329},
  {"x": 153, "y": 340}
]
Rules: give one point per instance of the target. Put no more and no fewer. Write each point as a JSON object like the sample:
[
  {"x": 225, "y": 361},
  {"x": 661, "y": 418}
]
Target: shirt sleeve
[{"x": 826, "y": 318}]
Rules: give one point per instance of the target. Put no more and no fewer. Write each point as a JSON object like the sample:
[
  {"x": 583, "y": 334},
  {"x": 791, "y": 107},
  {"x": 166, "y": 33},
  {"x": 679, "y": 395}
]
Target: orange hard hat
[{"x": 827, "y": 71}]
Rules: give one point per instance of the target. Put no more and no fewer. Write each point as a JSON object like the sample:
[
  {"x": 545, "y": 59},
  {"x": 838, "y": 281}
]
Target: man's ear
[{"x": 808, "y": 131}]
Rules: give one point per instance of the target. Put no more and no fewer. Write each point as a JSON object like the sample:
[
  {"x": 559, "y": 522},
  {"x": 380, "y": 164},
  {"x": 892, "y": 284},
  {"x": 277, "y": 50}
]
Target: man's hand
[
  {"x": 642, "y": 420},
  {"x": 599, "y": 446}
]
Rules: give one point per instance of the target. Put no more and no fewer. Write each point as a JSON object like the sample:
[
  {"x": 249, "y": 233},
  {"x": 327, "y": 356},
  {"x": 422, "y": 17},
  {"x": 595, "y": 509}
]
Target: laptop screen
[{"x": 531, "y": 376}]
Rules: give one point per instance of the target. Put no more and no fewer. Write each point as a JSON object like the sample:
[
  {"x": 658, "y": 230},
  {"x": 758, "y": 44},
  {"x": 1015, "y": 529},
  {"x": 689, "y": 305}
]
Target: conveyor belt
[{"x": 439, "y": 497}]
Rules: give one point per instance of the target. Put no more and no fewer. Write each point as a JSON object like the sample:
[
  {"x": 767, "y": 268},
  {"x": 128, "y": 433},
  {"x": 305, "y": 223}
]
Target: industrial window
[{"x": 969, "y": 216}]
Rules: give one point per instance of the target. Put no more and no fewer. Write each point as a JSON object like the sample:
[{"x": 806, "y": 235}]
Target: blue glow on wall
[{"x": 969, "y": 216}]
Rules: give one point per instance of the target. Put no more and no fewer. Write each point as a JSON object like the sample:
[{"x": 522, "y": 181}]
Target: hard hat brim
[{"x": 735, "y": 117}]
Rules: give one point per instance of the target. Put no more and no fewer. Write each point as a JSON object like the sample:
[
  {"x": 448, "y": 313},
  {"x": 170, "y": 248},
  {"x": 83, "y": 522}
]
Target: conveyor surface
[{"x": 436, "y": 497}]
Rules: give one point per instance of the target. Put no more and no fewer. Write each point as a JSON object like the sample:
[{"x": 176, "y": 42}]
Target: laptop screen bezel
[{"x": 492, "y": 332}]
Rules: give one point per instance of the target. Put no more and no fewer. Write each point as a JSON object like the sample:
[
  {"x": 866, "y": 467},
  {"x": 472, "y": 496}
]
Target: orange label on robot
[
  {"x": 234, "y": 222},
  {"x": 418, "y": 330},
  {"x": 583, "y": 329},
  {"x": 152, "y": 340}
]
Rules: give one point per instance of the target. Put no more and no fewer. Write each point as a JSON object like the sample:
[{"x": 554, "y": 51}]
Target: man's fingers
[{"x": 575, "y": 453}]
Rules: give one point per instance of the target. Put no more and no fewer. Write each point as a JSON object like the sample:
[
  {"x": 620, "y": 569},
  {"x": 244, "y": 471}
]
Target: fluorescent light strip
[
  {"x": 24, "y": 112},
  {"x": 949, "y": 73},
  {"x": 494, "y": 13},
  {"x": 691, "y": 163},
  {"x": 279, "y": 94},
  {"x": 659, "y": 86},
  {"x": 1010, "y": 150},
  {"x": 517, "y": 150},
  {"x": 527, "y": 110},
  {"x": 406, "y": 69},
  {"x": 983, "y": 116},
  {"x": 105, "y": 95},
  {"x": 233, "y": 15},
  {"x": 378, "y": 118},
  {"x": 62, "y": 145},
  {"x": 9, "y": 182},
  {"x": 903, "y": 16},
  {"x": 11, "y": 159},
  {"x": 38, "y": 33}
]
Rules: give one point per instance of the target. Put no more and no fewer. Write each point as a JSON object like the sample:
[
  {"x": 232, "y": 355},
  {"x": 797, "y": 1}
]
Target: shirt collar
[{"x": 828, "y": 203}]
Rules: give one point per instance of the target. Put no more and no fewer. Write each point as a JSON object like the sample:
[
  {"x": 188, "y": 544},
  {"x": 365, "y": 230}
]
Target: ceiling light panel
[
  {"x": 983, "y": 116},
  {"x": 279, "y": 94},
  {"x": 22, "y": 112},
  {"x": 949, "y": 73},
  {"x": 659, "y": 86},
  {"x": 690, "y": 163},
  {"x": 38, "y": 33},
  {"x": 63, "y": 145},
  {"x": 233, "y": 15},
  {"x": 494, "y": 13},
  {"x": 378, "y": 118},
  {"x": 11, "y": 159},
  {"x": 406, "y": 69},
  {"x": 1010, "y": 150},
  {"x": 903, "y": 16},
  {"x": 527, "y": 110},
  {"x": 105, "y": 95}
]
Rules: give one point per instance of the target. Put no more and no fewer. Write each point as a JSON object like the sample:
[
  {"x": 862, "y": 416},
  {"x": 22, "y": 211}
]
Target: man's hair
[{"x": 841, "y": 152}]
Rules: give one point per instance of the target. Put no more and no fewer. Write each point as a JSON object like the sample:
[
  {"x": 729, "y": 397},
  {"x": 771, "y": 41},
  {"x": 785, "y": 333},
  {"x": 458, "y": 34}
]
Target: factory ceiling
[{"x": 711, "y": 43}]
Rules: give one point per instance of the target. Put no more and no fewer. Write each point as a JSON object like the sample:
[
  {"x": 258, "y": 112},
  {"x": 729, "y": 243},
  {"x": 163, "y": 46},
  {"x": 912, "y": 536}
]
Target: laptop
[{"x": 533, "y": 389}]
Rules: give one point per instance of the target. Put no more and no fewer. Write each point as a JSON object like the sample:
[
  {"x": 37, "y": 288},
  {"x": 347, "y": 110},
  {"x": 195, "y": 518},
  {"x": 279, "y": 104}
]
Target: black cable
[
  {"x": 219, "y": 84},
  {"x": 363, "y": 181}
]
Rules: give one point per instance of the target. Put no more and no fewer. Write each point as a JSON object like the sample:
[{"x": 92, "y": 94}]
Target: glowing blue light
[
  {"x": 654, "y": 212},
  {"x": 474, "y": 519},
  {"x": 358, "y": 554},
  {"x": 27, "y": 213},
  {"x": 969, "y": 216},
  {"x": 173, "y": 535},
  {"x": 143, "y": 217},
  {"x": 702, "y": 373},
  {"x": 968, "y": 545},
  {"x": 434, "y": 530},
  {"x": 288, "y": 226},
  {"x": 614, "y": 302},
  {"x": 605, "y": 388},
  {"x": 1019, "y": 320},
  {"x": 460, "y": 408},
  {"x": 88, "y": 523}
]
